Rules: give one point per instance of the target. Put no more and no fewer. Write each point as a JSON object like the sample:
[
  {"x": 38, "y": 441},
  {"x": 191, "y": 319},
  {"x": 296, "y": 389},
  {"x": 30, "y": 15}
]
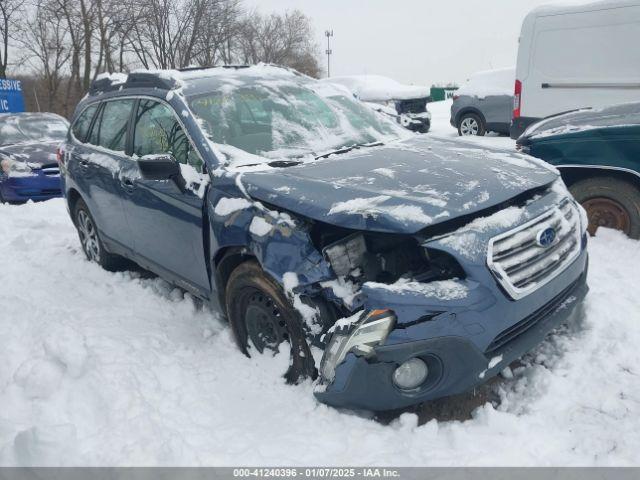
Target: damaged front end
[
  {"x": 431, "y": 318},
  {"x": 411, "y": 302}
]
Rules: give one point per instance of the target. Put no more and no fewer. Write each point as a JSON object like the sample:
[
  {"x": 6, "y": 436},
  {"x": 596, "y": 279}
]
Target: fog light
[{"x": 411, "y": 374}]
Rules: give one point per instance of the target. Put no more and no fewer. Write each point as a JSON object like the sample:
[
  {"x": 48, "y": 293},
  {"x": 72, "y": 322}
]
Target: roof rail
[
  {"x": 192, "y": 69},
  {"x": 134, "y": 80}
]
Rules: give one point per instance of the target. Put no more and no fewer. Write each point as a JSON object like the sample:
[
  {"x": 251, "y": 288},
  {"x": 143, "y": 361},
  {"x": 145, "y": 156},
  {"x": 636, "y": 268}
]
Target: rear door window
[
  {"x": 81, "y": 125},
  {"x": 110, "y": 129}
]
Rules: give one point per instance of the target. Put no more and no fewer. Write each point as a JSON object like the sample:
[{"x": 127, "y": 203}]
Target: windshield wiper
[
  {"x": 340, "y": 150},
  {"x": 284, "y": 163}
]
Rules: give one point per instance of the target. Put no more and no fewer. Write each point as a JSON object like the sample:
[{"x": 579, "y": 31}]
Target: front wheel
[
  {"x": 90, "y": 240},
  {"x": 262, "y": 318},
  {"x": 471, "y": 124},
  {"x": 611, "y": 203}
]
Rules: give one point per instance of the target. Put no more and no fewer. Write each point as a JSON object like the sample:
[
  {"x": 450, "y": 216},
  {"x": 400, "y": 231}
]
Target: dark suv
[{"x": 420, "y": 266}]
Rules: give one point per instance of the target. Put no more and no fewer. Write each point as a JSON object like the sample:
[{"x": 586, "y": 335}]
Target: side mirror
[{"x": 161, "y": 167}]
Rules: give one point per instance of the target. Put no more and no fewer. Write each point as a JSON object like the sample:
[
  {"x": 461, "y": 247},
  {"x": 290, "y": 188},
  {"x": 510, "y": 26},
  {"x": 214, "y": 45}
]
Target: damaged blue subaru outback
[{"x": 392, "y": 268}]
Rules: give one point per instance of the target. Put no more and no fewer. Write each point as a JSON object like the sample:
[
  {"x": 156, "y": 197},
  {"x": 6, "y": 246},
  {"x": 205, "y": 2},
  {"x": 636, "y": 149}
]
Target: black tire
[
  {"x": 90, "y": 241},
  {"x": 262, "y": 317},
  {"x": 470, "y": 124},
  {"x": 609, "y": 202},
  {"x": 424, "y": 128}
]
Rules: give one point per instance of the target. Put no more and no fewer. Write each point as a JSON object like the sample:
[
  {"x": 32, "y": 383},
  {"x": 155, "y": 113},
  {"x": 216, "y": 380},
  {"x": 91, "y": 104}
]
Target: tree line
[{"x": 58, "y": 47}]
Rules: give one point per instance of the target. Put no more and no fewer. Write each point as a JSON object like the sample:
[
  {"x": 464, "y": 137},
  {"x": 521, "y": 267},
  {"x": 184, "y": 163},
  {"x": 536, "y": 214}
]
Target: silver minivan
[{"x": 484, "y": 104}]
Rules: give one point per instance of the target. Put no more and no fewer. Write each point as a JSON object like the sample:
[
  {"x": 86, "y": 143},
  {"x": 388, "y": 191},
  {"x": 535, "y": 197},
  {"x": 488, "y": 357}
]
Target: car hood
[
  {"x": 578, "y": 121},
  {"x": 401, "y": 187},
  {"x": 40, "y": 154}
]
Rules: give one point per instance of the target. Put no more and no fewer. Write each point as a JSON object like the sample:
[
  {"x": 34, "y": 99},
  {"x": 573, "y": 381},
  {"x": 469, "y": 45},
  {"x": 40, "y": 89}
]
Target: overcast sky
[{"x": 414, "y": 41}]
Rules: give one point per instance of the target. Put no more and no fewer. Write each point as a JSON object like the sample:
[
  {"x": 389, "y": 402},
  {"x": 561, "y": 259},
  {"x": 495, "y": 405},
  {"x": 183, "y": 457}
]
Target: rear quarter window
[{"x": 83, "y": 122}]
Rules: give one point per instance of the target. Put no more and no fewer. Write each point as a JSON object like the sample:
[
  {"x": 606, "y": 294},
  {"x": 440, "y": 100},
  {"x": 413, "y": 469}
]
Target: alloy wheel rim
[
  {"x": 469, "y": 126},
  {"x": 606, "y": 212},
  {"x": 88, "y": 236}
]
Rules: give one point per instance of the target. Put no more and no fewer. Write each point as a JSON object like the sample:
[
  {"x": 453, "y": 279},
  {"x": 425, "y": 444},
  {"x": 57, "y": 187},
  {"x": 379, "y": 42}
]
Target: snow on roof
[
  {"x": 490, "y": 82},
  {"x": 115, "y": 78},
  {"x": 178, "y": 77},
  {"x": 372, "y": 88}
]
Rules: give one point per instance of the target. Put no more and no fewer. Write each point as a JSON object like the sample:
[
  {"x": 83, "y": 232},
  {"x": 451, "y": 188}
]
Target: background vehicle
[
  {"x": 575, "y": 57},
  {"x": 484, "y": 103},
  {"x": 406, "y": 103},
  {"x": 28, "y": 165},
  {"x": 248, "y": 189},
  {"x": 598, "y": 153}
]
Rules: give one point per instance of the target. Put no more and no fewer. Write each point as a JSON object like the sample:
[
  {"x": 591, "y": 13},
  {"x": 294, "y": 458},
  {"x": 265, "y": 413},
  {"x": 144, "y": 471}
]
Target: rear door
[
  {"x": 101, "y": 162},
  {"x": 167, "y": 223}
]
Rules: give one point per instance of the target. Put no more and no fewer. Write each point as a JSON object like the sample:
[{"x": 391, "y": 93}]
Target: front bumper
[
  {"x": 457, "y": 345},
  {"x": 38, "y": 186},
  {"x": 416, "y": 122}
]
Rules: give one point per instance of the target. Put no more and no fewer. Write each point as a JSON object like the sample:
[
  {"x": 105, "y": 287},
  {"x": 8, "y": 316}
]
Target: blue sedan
[{"x": 28, "y": 165}]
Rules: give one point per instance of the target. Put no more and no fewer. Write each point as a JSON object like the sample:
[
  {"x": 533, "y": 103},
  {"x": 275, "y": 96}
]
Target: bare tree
[
  {"x": 10, "y": 13},
  {"x": 67, "y": 43},
  {"x": 219, "y": 31},
  {"x": 44, "y": 40},
  {"x": 169, "y": 34},
  {"x": 285, "y": 39}
]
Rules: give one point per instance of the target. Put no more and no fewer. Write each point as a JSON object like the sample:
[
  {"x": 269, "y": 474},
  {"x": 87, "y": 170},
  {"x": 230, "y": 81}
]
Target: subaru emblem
[{"x": 546, "y": 237}]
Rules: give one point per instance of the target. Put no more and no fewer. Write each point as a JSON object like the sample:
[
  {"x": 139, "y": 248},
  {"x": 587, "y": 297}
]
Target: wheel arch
[
  {"x": 225, "y": 261},
  {"x": 473, "y": 110},
  {"x": 72, "y": 199},
  {"x": 574, "y": 173}
]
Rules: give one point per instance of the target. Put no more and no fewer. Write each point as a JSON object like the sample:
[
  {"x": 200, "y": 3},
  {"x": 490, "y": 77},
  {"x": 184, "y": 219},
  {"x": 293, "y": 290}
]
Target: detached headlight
[
  {"x": 371, "y": 331},
  {"x": 10, "y": 166}
]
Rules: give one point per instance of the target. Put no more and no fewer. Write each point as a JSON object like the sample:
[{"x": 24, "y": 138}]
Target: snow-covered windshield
[
  {"x": 287, "y": 119},
  {"x": 15, "y": 129}
]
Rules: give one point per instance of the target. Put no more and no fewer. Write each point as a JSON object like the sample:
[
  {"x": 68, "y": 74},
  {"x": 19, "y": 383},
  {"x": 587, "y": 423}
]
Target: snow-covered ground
[{"x": 98, "y": 368}]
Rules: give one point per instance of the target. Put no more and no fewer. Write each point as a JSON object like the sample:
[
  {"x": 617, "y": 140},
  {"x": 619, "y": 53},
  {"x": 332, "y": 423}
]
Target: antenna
[{"x": 328, "y": 34}]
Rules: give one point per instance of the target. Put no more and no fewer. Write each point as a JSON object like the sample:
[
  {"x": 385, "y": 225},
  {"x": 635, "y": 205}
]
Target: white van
[{"x": 570, "y": 57}]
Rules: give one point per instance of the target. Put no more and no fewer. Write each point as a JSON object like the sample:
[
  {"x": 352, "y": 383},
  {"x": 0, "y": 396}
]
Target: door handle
[{"x": 83, "y": 162}]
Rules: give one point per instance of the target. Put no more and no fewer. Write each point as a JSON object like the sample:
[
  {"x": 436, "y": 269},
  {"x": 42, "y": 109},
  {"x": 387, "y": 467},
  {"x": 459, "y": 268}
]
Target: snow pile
[
  {"x": 260, "y": 227},
  {"x": 441, "y": 290},
  {"x": 376, "y": 88},
  {"x": 227, "y": 206},
  {"x": 116, "y": 78},
  {"x": 371, "y": 207},
  {"x": 98, "y": 368},
  {"x": 491, "y": 82},
  {"x": 309, "y": 314},
  {"x": 569, "y": 129}
]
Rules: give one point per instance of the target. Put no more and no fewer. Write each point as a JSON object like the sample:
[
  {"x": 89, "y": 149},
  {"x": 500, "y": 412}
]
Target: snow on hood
[
  {"x": 491, "y": 82},
  {"x": 623, "y": 115},
  {"x": 376, "y": 88},
  {"x": 34, "y": 153},
  {"x": 401, "y": 187}
]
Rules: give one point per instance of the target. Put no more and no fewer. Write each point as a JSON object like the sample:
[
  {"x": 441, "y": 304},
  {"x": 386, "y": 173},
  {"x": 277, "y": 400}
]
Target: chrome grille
[{"x": 521, "y": 264}]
